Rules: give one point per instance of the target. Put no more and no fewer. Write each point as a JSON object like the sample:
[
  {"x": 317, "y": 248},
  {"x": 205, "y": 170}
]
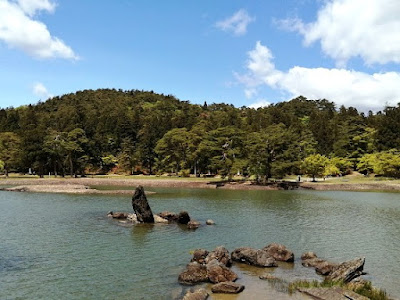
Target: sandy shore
[{"x": 126, "y": 185}]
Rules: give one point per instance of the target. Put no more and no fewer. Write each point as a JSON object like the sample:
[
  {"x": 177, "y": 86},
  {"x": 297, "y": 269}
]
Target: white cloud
[
  {"x": 237, "y": 23},
  {"x": 344, "y": 87},
  {"x": 30, "y": 7},
  {"x": 19, "y": 30},
  {"x": 260, "y": 103},
  {"x": 355, "y": 28},
  {"x": 41, "y": 91}
]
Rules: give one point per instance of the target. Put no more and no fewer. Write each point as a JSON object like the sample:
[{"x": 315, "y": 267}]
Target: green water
[{"x": 55, "y": 246}]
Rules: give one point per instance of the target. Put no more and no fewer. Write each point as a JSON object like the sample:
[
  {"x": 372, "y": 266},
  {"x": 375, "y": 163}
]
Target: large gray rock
[
  {"x": 227, "y": 288},
  {"x": 221, "y": 254},
  {"x": 217, "y": 272},
  {"x": 200, "y": 294},
  {"x": 347, "y": 271},
  {"x": 253, "y": 257},
  {"x": 194, "y": 273},
  {"x": 141, "y": 206},
  {"x": 279, "y": 252}
]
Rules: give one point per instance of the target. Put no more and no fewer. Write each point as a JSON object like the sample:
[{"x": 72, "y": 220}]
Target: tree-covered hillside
[{"x": 95, "y": 131}]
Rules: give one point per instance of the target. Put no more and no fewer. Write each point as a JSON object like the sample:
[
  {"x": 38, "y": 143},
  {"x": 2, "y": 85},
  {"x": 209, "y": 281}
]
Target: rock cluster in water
[
  {"x": 214, "y": 267},
  {"x": 143, "y": 213},
  {"x": 346, "y": 271}
]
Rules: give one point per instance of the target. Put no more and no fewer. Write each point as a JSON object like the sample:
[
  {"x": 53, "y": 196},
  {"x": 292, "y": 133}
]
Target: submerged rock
[
  {"x": 227, "y": 288},
  {"x": 268, "y": 276},
  {"x": 279, "y": 252},
  {"x": 141, "y": 206},
  {"x": 200, "y": 294}
]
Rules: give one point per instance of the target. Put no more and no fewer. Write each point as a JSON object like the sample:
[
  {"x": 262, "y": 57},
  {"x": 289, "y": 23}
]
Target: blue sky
[{"x": 242, "y": 52}]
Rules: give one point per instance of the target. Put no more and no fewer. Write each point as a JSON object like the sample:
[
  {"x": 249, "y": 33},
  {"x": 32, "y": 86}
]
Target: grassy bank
[{"x": 355, "y": 182}]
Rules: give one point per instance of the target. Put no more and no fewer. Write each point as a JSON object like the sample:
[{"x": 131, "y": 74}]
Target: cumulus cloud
[
  {"x": 41, "y": 91},
  {"x": 237, "y": 23},
  {"x": 344, "y": 87},
  {"x": 19, "y": 29},
  {"x": 30, "y": 7},
  {"x": 259, "y": 103},
  {"x": 354, "y": 28}
]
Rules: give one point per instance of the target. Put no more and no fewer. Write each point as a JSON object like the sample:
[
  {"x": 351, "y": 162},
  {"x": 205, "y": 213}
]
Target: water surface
[{"x": 64, "y": 247}]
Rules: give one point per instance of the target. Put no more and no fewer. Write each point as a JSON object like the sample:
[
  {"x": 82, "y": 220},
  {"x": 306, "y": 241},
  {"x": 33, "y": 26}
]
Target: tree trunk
[{"x": 71, "y": 165}]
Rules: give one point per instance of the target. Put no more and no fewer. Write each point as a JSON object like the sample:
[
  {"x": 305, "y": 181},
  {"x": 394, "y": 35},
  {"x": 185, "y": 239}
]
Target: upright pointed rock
[{"x": 141, "y": 206}]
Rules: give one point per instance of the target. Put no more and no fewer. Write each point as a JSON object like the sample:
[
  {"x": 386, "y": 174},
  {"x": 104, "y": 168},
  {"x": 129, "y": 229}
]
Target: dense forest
[{"x": 132, "y": 132}]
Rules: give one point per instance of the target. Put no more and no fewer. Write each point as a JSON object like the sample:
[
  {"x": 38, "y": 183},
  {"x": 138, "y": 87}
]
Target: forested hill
[{"x": 136, "y": 131}]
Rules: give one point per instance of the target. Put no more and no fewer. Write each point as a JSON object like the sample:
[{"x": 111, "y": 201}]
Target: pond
[{"x": 64, "y": 247}]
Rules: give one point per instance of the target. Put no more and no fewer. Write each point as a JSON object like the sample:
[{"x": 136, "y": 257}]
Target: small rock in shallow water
[
  {"x": 268, "y": 276},
  {"x": 200, "y": 294},
  {"x": 199, "y": 255},
  {"x": 221, "y": 254},
  {"x": 193, "y": 224},
  {"x": 308, "y": 255},
  {"x": 218, "y": 272},
  {"x": 194, "y": 273},
  {"x": 227, "y": 288},
  {"x": 158, "y": 219},
  {"x": 210, "y": 222}
]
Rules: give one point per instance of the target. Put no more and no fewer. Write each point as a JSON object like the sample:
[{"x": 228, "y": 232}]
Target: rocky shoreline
[{"x": 214, "y": 267}]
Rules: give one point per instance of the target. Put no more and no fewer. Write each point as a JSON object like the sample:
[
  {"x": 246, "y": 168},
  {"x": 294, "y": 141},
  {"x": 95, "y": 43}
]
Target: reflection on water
[{"x": 64, "y": 247}]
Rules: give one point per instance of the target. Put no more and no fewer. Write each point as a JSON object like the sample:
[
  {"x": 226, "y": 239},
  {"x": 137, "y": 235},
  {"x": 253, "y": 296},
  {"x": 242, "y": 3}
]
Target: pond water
[{"x": 56, "y": 246}]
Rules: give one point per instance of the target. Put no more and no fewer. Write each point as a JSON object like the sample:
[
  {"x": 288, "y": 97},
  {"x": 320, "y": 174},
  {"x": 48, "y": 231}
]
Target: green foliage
[
  {"x": 315, "y": 165},
  {"x": 385, "y": 163},
  {"x": 273, "y": 152},
  {"x": 343, "y": 165},
  {"x": 141, "y": 131},
  {"x": 10, "y": 150},
  {"x": 108, "y": 162}
]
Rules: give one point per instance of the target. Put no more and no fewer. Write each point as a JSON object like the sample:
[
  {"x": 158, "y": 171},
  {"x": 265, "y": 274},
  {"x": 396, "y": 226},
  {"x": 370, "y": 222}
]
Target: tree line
[{"x": 108, "y": 130}]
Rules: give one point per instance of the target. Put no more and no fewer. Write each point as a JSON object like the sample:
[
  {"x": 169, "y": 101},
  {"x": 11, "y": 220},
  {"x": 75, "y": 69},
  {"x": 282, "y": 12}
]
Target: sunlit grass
[{"x": 365, "y": 289}]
